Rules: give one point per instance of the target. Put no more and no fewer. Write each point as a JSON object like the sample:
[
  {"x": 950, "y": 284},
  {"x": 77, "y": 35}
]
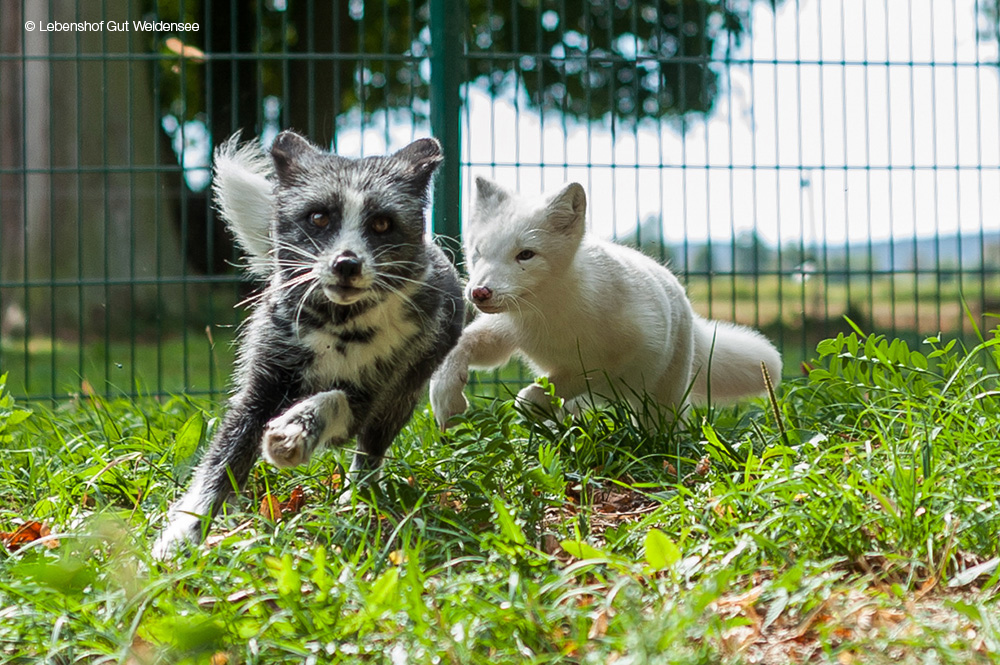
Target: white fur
[
  {"x": 596, "y": 318},
  {"x": 244, "y": 196},
  {"x": 290, "y": 439},
  {"x": 186, "y": 517},
  {"x": 393, "y": 330}
]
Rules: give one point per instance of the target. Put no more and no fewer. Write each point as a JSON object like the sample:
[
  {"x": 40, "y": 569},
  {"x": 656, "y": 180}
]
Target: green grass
[{"x": 855, "y": 520}]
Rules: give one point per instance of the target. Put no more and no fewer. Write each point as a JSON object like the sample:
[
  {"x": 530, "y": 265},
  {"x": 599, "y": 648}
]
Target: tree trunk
[
  {"x": 11, "y": 184},
  {"x": 96, "y": 219}
]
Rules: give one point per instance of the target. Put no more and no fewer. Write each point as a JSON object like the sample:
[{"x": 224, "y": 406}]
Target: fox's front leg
[
  {"x": 224, "y": 467},
  {"x": 484, "y": 344},
  {"x": 292, "y": 437}
]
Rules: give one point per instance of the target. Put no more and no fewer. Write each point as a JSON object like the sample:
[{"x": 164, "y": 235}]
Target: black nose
[{"x": 347, "y": 265}]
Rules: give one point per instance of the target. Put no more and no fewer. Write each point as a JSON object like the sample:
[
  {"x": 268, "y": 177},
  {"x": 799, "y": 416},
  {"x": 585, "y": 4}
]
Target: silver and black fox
[{"x": 358, "y": 311}]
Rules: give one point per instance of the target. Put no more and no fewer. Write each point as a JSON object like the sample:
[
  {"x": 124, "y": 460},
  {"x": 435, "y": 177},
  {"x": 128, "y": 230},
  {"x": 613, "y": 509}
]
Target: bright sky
[{"x": 884, "y": 149}]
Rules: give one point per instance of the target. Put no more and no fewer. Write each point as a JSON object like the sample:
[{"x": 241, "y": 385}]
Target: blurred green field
[{"x": 57, "y": 369}]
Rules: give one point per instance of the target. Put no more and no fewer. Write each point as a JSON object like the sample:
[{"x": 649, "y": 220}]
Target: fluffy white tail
[
  {"x": 243, "y": 196},
  {"x": 727, "y": 360}
]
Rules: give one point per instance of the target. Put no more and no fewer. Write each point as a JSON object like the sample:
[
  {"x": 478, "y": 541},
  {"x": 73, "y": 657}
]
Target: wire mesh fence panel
[
  {"x": 117, "y": 276},
  {"x": 794, "y": 162},
  {"x": 797, "y": 163}
]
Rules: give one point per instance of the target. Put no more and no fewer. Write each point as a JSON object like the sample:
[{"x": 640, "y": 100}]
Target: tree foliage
[
  {"x": 319, "y": 59},
  {"x": 587, "y": 58},
  {"x": 598, "y": 57}
]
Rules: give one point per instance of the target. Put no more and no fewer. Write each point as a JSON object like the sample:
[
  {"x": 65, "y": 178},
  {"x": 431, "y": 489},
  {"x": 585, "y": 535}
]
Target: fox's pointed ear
[
  {"x": 488, "y": 191},
  {"x": 422, "y": 157},
  {"x": 568, "y": 209},
  {"x": 288, "y": 151}
]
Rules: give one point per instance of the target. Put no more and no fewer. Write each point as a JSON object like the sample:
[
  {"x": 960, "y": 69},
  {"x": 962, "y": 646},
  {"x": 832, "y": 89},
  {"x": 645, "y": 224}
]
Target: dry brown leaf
[
  {"x": 843, "y": 632},
  {"x": 27, "y": 533},
  {"x": 295, "y": 501},
  {"x": 599, "y": 628},
  {"x": 701, "y": 469},
  {"x": 926, "y": 587},
  {"x": 270, "y": 507},
  {"x": 273, "y": 509}
]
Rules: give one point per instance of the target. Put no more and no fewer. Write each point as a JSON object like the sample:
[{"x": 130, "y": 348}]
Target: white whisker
[
  {"x": 302, "y": 304},
  {"x": 281, "y": 244},
  {"x": 405, "y": 297},
  {"x": 278, "y": 288}
]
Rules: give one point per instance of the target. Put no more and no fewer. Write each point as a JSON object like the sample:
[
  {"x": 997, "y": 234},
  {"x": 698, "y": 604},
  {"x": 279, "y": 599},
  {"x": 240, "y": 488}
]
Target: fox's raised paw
[
  {"x": 447, "y": 399},
  {"x": 287, "y": 442},
  {"x": 535, "y": 401},
  {"x": 291, "y": 438}
]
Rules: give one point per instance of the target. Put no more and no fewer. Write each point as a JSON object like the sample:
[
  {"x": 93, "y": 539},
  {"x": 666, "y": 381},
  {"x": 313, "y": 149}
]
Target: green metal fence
[{"x": 796, "y": 162}]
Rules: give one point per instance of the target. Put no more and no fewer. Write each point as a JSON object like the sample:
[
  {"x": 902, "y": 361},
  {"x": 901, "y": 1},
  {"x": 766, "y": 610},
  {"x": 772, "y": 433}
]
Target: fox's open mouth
[
  {"x": 488, "y": 308},
  {"x": 341, "y": 294}
]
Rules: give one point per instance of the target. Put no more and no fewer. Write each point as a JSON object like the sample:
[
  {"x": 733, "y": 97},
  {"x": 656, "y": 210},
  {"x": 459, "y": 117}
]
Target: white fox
[{"x": 596, "y": 318}]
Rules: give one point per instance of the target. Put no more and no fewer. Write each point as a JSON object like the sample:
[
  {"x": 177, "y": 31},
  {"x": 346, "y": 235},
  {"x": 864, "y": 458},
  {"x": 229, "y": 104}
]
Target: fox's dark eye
[
  {"x": 525, "y": 255},
  {"x": 381, "y": 224},
  {"x": 320, "y": 219}
]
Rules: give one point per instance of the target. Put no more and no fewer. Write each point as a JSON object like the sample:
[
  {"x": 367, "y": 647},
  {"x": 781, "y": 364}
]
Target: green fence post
[{"x": 446, "y": 81}]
